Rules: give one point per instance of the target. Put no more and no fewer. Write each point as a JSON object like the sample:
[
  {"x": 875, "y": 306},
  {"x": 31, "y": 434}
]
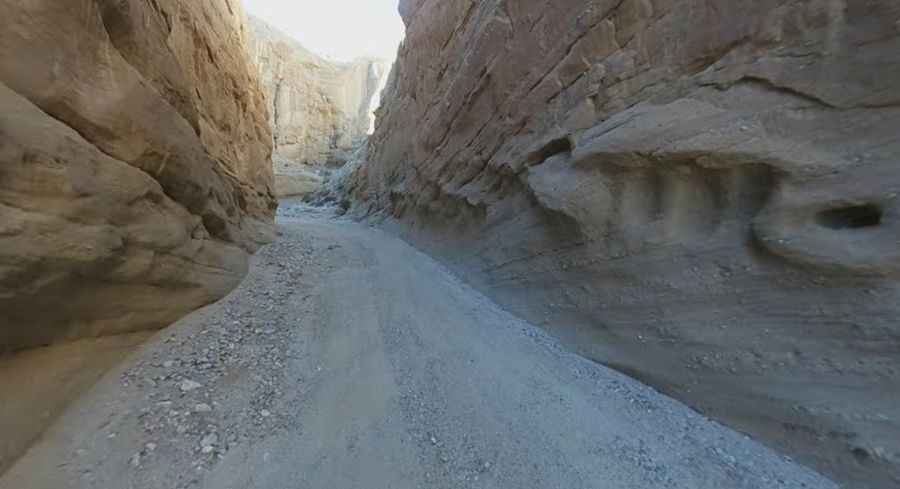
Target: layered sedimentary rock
[
  {"x": 320, "y": 110},
  {"x": 701, "y": 193},
  {"x": 135, "y": 164}
]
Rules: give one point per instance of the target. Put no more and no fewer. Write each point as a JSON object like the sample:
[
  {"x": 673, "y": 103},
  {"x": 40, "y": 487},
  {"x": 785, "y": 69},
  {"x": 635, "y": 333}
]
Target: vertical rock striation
[
  {"x": 321, "y": 111},
  {"x": 135, "y": 164},
  {"x": 701, "y": 193}
]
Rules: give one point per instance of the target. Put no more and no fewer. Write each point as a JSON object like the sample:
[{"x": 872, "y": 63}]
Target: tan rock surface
[
  {"x": 320, "y": 110},
  {"x": 294, "y": 180},
  {"x": 135, "y": 170},
  {"x": 41, "y": 382},
  {"x": 703, "y": 194}
]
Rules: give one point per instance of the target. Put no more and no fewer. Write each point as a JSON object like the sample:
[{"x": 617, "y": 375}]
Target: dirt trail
[{"x": 350, "y": 360}]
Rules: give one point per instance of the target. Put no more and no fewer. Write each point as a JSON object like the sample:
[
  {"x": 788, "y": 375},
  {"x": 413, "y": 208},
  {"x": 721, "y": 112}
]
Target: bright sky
[{"x": 337, "y": 29}]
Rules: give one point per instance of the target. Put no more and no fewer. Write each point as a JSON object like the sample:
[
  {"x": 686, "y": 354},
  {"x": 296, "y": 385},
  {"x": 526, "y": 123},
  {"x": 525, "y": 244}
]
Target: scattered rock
[
  {"x": 209, "y": 440},
  {"x": 188, "y": 385}
]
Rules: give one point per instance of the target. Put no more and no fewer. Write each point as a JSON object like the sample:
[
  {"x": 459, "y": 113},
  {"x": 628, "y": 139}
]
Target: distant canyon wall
[
  {"x": 700, "y": 193},
  {"x": 135, "y": 164},
  {"x": 320, "y": 110}
]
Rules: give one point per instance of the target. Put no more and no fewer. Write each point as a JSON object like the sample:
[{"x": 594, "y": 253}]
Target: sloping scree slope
[
  {"x": 701, "y": 193},
  {"x": 135, "y": 164}
]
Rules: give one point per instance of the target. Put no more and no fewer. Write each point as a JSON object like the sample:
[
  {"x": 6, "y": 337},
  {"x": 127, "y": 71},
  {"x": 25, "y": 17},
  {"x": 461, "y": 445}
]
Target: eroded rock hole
[
  {"x": 551, "y": 149},
  {"x": 851, "y": 217}
]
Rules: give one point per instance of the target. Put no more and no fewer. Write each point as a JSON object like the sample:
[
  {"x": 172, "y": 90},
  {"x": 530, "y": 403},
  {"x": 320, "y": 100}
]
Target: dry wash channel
[{"x": 349, "y": 360}]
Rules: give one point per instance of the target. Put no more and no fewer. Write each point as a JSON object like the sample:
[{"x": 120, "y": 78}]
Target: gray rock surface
[
  {"x": 135, "y": 170},
  {"x": 350, "y": 360},
  {"x": 700, "y": 193}
]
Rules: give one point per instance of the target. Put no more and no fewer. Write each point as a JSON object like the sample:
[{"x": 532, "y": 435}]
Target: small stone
[
  {"x": 209, "y": 440},
  {"x": 202, "y": 408},
  {"x": 265, "y": 413},
  {"x": 168, "y": 364},
  {"x": 150, "y": 447},
  {"x": 135, "y": 460},
  {"x": 188, "y": 385}
]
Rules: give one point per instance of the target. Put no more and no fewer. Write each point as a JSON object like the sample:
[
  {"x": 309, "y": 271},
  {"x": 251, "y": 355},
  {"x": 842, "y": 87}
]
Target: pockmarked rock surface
[
  {"x": 702, "y": 194},
  {"x": 320, "y": 110},
  {"x": 135, "y": 164}
]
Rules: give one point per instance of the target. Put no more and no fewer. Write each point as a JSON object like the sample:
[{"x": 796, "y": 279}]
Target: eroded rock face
[
  {"x": 320, "y": 111},
  {"x": 135, "y": 164},
  {"x": 701, "y": 193}
]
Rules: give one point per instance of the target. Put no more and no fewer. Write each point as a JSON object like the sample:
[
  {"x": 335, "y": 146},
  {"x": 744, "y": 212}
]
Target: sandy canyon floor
[{"x": 348, "y": 359}]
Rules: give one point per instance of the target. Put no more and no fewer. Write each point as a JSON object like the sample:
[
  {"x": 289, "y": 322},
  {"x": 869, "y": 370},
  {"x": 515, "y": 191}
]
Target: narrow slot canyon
[{"x": 631, "y": 244}]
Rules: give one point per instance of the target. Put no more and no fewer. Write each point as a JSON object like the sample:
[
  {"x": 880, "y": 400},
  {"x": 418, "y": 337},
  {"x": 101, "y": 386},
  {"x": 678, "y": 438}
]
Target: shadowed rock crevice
[{"x": 852, "y": 217}]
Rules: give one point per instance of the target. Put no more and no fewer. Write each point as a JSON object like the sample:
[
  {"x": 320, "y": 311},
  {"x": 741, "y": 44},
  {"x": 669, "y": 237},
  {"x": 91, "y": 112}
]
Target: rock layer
[
  {"x": 135, "y": 164},
  {"x": 320, "y": 110},
  {"x": 700, "y": 193}
]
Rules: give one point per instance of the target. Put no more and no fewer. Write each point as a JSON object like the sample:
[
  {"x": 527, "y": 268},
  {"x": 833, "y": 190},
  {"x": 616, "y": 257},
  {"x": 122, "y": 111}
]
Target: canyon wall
[
  {"x": 320, "y": 110},
  {"x": 135, "y": 164},
  {"x": 700, "y": 193}
]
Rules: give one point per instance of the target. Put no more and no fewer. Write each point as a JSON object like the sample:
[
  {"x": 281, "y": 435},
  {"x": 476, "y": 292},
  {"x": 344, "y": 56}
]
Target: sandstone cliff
[
  {"x": 320, "y": 111},
  {"x": 135, "y": 164},
  {"x": 701, "y": 193}
]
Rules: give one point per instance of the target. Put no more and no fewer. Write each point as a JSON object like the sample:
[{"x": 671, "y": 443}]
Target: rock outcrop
[
  {"x": 135, "y": 164},
  {"x": 320, "y": 110},
  {"x": 700, "y": 193}
]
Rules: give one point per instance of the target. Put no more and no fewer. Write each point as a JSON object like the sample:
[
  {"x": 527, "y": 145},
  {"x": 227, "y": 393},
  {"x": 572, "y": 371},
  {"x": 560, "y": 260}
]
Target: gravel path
[{"x": 350, "y": 360}]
